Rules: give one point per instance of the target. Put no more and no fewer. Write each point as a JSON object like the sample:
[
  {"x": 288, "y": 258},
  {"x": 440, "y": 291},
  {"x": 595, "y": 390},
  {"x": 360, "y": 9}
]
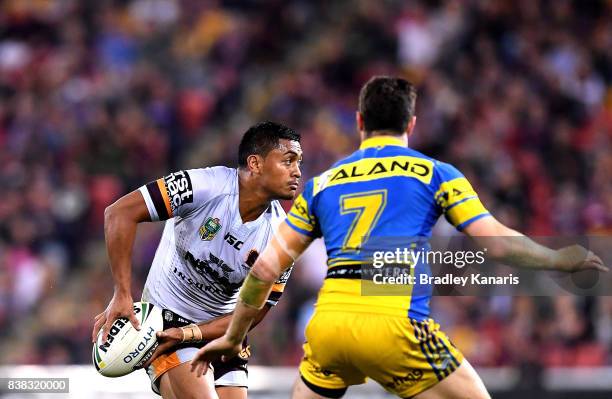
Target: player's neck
[{"x": 252, "y": 199}]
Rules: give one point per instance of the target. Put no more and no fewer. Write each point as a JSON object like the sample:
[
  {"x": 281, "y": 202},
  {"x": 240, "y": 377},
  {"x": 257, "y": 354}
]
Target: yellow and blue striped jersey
[{"x": 384, "y": 189}]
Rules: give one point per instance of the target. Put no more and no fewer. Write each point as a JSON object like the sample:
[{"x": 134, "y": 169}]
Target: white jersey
[{"x": 206, "y": 251}]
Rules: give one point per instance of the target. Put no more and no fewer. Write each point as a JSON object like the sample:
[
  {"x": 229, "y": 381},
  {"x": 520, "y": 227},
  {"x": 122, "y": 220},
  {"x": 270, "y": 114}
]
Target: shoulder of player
[
  {"x": 412, "y": 153},
  {"x": 276, "y": 210},
  {"x": 221, "y": 178},
  {"x": 445, "y": 170},
  {"x": 215, "y": 171},
  {"x": 275, "y": 214},
  {"x": 357, "y": 155},
  {"x": 439, "y": 166},
  {"x": 442, "y": 170}
]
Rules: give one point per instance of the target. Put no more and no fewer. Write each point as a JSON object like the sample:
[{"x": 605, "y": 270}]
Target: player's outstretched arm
[
  {"x": 286, "y": 246},
  {"x": 515, "y": 249},
  {"x": 120, "y": 223}
]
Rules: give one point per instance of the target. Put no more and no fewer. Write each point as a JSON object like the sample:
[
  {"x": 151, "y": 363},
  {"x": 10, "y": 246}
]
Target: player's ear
[
  {"x": 411, "y": 125},
  {"x": 360, "y": 125},
  {"x": 255, "y": 163}
]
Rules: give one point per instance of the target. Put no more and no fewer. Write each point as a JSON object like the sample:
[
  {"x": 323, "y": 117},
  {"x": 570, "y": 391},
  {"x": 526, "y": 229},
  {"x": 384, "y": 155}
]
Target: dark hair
[
  {"x": 387, "y": 103},
  {"x": 263, "y": 137}
]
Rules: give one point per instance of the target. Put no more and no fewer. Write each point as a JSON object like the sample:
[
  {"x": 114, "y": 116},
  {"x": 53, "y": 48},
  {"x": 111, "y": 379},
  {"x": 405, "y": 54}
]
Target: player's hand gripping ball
[{"x": 127, "y": 349}]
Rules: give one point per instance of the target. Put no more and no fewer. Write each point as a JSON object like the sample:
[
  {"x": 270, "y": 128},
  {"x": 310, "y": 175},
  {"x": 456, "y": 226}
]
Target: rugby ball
[{"x": 126, "y": 348}]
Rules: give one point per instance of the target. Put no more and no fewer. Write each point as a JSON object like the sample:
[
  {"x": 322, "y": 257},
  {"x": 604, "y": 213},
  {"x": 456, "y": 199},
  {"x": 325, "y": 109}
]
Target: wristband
[{"x": 191, "y": 333}]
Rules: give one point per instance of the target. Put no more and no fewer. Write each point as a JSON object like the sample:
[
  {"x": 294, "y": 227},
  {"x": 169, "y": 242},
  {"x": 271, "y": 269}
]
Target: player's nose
[{"x": 297, "y": 172}]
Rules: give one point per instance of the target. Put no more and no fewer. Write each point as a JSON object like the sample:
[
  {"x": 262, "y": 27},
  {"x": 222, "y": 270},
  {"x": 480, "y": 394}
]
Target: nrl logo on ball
[{"x": 210, "y": 228}]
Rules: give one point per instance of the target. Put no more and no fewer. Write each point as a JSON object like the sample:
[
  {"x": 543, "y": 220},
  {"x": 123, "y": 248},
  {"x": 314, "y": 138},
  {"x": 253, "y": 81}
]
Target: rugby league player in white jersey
[{"x": 218, "y": 220}]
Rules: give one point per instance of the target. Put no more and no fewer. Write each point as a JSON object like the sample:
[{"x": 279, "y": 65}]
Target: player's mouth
[{"x": 294, "y": 185}]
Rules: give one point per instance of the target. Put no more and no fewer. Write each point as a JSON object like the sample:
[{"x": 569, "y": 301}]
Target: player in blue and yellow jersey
[{"x": 384, "y": 189}]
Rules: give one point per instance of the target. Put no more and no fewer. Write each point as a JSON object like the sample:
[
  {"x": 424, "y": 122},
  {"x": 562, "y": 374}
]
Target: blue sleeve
[{"x": 301, "y": 217}]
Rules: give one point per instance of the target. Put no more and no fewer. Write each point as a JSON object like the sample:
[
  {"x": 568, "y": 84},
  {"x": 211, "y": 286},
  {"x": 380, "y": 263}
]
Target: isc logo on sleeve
[{"x": 179, "y": 188}]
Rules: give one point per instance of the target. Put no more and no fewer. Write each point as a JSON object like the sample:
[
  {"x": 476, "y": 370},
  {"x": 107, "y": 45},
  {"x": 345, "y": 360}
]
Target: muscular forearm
[
  {"x": 237, "y": 330},
  {"x": 515, "y": 249},
  {"x": 525, "y": 253},
  {"x": 119, "y": 233},
  {"x": 252, "y": 295},
  {"x": 216, "y": 328},
  {"x": 512, "y": 248}
]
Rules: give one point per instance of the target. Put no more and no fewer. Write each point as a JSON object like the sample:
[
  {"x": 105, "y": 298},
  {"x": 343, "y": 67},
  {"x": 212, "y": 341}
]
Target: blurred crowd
[{"x": 98, "y": 98}]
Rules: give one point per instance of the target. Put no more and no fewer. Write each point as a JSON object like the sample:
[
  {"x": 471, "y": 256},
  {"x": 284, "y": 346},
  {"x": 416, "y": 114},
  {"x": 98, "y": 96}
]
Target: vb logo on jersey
[{"x": 210, "y": 228}]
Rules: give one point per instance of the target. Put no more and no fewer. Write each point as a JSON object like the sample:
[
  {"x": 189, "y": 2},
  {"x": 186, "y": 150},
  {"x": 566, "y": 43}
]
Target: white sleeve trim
[{"x": 149, "y": 202}]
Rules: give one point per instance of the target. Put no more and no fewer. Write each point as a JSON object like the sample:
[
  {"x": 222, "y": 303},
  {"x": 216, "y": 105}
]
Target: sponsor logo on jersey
[
  {"x": 179, "y": 189},
  {"x": 219, "y": 271},
  {"x": 199, "y": 285},
  {"x": 233, "y": 241},
  {"x": 408, "y": 380},
  {"x": 210, "y": 228}
]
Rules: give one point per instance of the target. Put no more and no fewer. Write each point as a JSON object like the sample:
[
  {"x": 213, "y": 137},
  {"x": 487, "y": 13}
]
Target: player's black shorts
[{"x": 233, "y": 372}]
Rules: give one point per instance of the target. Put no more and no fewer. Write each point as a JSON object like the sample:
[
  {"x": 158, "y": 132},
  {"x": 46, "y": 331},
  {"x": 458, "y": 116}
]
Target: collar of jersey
[{"x": 381, "y": 141}]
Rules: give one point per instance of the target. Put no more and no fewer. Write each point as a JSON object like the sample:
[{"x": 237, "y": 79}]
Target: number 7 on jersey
[{"x": 367, "y": 207}]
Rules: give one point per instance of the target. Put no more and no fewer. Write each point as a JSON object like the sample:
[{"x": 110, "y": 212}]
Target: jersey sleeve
[
  {"x": 279, "y": 287},
  {"x": 301, "y": 217},
  {"x": 456, "y": 198},
  {"x": 180, "y": 192}
]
